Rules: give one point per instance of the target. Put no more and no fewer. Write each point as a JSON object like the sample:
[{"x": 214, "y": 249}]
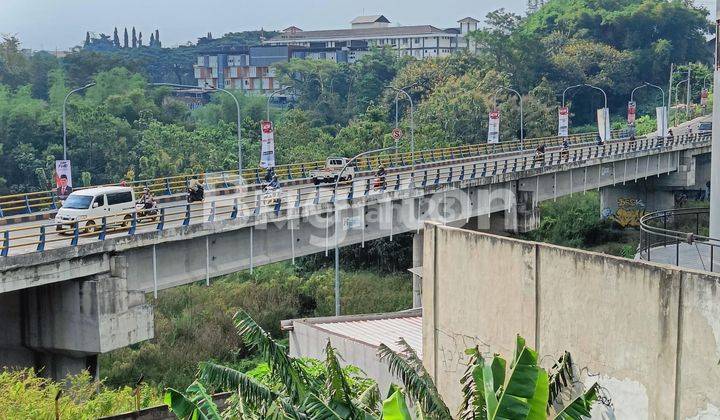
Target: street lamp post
[
  {"x": 677, "y": 87},
  {"x": 590, "y": 86},
  {"x": 270, "y": 97},
  {"x": 337, "y": 224},
  {"x": 412, "y": 120},
  {"x": 662, "y": 95},
  {"x": 237, "y": 106},
  {"x": 64, "y": 120},
  {"x": 522, "y": 116}
]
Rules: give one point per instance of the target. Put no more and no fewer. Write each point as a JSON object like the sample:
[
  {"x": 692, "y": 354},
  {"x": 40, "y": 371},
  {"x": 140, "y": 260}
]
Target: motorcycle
[
  {"x": 147, "y": 213},
  {"x": 539, "y": 157},
  {"x": 196, "y": 195},
  {"x": 272, "y": 196},
  {"x": 379, "y": 183}
]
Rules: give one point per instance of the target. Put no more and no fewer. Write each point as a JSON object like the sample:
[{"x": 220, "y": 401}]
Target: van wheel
[{"x": 91, "y": 226}]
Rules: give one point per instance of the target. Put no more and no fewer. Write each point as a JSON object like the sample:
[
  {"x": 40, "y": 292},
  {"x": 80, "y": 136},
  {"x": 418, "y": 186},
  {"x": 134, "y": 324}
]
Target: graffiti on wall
[{"x": 628, "y": 213}]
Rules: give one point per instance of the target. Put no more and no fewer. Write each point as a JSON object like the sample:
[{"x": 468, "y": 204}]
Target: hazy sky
[{"x": 61, "y": 24}]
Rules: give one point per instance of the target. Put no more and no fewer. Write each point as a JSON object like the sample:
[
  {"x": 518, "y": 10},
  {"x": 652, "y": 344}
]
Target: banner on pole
[
  {"x": 632, "y": 107},
  {"x": 704, "y": 97},
  {"x": 494, "y": 127},
  {"x": 662, "y": 121},
  {"x": 267, "y": 151},
  {"x": 603, "y": 119},
  {"x": 563, "y": 121},
  {"x": 63, "y": 179}
]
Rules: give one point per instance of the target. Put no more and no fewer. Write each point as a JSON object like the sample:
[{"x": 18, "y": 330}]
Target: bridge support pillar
[
  {"x": 625, "y": 204},
  {"x": 417, "y": 260},
  {"x": 60, "y": 329}
]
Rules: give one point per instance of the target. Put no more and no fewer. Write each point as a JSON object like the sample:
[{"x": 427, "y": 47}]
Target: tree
[
  {"x": 152, "y": 40},
  {"x": 157, "y": 38},
  {"x": 116, "y": 38},
  {"x": 87, "y": 39},
  {"x": 125, "y": 39},
  {"x": 140, "y": 39},
  {"x": 134, "y": 38}
]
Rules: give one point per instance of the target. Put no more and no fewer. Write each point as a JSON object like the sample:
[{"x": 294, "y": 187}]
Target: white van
[{"x": 89, "y": 206}]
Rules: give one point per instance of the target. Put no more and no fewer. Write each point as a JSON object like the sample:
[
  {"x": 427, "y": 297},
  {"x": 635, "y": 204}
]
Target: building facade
[{"x": 419, "y": 41}]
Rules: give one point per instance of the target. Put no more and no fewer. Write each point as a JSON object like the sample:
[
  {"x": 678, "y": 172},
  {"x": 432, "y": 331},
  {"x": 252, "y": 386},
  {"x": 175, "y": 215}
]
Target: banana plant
[
  {"x": 524, "y": 391},
  {"x": 193, "y": 404}
]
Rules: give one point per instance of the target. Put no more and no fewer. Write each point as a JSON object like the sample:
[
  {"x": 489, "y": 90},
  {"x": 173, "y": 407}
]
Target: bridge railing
[
  {"x": 244, "y": 202},
  {"x": 672, "y": 229},
  {"x": 31, "y": 202}
]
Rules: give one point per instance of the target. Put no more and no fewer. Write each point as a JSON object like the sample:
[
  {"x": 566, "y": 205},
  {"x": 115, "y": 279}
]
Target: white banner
[
  {"x": 563, "y": 121},
  {"x": 63, "y": 179},
  {"x": 267, "y": 152},
  {"x": 603, "y": 119},
  {"x": 494, "y": 127},
  {"x": 662, "y": 122}
]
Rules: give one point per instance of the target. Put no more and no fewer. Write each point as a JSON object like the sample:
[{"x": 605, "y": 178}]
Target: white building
[{"x": 419, "y": 41}]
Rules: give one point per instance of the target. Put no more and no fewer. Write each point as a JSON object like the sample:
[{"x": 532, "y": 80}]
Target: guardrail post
[
  {"x": 462, "y": 173},
  {"x": 76, "y": 235},
  {"x": 367, "y": 186},
  {"x": 452, "y": 154},
  {"x": 425, "y": 178},
  {"x": 484, "y": 170},
  {"x": 298, "y": 200},
  {"x": 302, "y": 170},
  {"x": 278, "y": 203},
  {"x": 352, "y": 190},
  {"x": 290, "y": 177},
  {"x": 450, "y": 176},
  {"x": 41, "y": 241},
  {"x": 211, "y": 217},
  {"x": 257, "y": 204},
  {"x": 495, "y": 167},
  {"x": 257, "y": 175},
  {"x": 1, "y": 212},
  {"x": 186, "y": 220},
  {"x": 397, "y": 182},
  {"x": 161, "y": 221},
  {"x": 168, "y": 190},
  {"x": 367, "y": 164},
  {"x": 224, "y": 179},
  {"x": 133, "y": 224},
  {"x": 6, "y": 244},
  {"x": 27, "y": 204},
  {"x": 437, "y": 177},
  {"x": 515, "y": 163},
  {"x": 53, "y": 203},
  {"x": 103, "y": 229},
  {"x": 316, "y": 200}
]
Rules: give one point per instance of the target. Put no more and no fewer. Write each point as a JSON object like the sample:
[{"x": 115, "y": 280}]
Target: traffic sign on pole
[{"x": 397, "y": 133}]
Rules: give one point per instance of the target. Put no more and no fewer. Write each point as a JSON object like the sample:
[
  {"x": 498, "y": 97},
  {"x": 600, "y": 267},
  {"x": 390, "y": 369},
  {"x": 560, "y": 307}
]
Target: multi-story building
[
  {"x": 249, "y": 69},
  {"x": 420, "y": 41}
]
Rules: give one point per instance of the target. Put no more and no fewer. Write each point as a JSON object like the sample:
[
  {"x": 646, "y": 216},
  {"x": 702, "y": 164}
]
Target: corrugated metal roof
[
  {"x": 374, "y": 332},
  {"x": 359, "y": 33}
]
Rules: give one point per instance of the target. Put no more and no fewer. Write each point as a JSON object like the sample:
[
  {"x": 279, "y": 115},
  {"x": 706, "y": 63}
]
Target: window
[
  {"x": 100, "y": 200},
  {"x": 77, "y": 202},
  {"x": 417, "y": 40},
  {"x": 119, "y": 198}
]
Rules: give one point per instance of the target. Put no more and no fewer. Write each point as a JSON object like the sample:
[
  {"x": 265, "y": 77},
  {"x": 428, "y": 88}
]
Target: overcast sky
[{"x": 61, "y": 24}]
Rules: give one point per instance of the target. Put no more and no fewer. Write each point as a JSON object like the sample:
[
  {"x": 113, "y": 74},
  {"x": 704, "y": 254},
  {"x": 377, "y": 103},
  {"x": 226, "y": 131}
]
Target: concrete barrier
[{"x": 648, "y": 333}]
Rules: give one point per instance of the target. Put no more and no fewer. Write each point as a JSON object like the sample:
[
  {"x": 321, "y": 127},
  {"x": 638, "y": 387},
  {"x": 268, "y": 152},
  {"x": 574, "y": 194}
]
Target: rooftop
[
  {"x": 360, "y": 33},
  {"x": 370, "y": 19},
  {"x": 372, "y": 330}
]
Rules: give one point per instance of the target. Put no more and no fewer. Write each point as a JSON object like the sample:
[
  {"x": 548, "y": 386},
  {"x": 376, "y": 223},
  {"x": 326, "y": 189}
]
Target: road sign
[{"x": 397, "y": 133}]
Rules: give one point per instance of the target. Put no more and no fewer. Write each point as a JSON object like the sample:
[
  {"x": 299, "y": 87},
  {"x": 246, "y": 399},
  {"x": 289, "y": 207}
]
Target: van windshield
[{"x": 77, "y": 202}]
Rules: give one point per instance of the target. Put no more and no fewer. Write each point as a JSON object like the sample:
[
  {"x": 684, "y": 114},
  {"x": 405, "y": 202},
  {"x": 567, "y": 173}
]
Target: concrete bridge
[{"x": 85, "y": 293}]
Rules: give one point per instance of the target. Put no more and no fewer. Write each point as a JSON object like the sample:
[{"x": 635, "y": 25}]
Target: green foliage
[
  {"x": 574, "y": 222},
  {"x": 28, "y": 396},
  {"x": 199, "y": 317}
]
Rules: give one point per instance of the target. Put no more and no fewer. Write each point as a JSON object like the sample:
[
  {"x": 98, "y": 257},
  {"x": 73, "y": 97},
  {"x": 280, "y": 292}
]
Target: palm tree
[{"x": 291, "y": 391}]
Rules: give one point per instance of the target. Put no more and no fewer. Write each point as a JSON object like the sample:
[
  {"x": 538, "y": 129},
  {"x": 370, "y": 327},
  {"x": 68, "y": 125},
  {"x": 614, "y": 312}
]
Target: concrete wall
[{"x": 651, "y": 332}]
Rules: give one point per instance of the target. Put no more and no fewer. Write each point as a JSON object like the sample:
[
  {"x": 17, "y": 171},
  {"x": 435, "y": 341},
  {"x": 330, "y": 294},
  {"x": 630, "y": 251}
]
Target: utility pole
[
  {"x": 687, "y": 103},
  {"x": 670, "y": 87}
]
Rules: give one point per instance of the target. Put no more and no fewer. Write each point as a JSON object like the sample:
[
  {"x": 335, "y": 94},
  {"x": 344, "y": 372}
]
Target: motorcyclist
[
  {"x": 565, "y": 149},
  {"x": 598, "y": 140},
  {"x": 194, "y": 184},
  {"x": 274, "y": 183},
  {"x": 147, "y": 199},
  {"x": 269, "y": 174},
  {"x": 195, "y": 190},
  {"x": 381, "y": 175}
]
